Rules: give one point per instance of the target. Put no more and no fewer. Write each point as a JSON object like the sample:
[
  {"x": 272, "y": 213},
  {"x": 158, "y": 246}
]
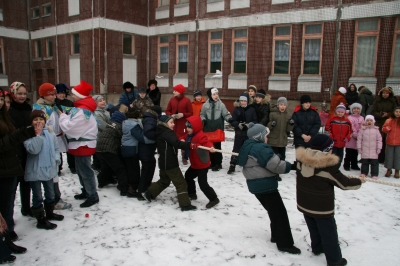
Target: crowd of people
[{"x": 121, "y": 143}]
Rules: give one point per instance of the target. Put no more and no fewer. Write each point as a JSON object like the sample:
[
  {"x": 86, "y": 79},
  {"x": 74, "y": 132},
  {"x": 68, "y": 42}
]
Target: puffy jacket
[
  {"x": 129, "y": 144},
  {"x": 213, "y": 114},
  {"x": 317, "y": 173},
  {"x": 243, "y": 115},
  {"x": 109, "y": 140},
  {"x": 102, "y": 118},
  {"x": 196, "y": 105},
  {"x": 382, "y": 105},
  {"x": 155, "y": 95},
  {"x": 369, "y": 142},
  {"x": 64, "y": 102},
  {"x": 356, "y": 122},
  {"x": 306, "y": 122},
  {"x": 262, "y": 110},
  {"x": 278, "y": 136},
  {"x": 142, "y": 104},
  {"x": 339, "y": 129},
  {"x": 366, "y": 99},
  {"x": 179, "y": 105},
  {"x": 392, "y": 129},
  {"x": 146, "y": 135},
  {"x": 336, "y": 99},
  {"x": 130, "y": 96},
  {"x": 351, "y": 97}
]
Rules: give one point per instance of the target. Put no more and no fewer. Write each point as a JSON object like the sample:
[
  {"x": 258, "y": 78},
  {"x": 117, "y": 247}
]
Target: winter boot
[
  {"x": 14, "y": 248},
  {"x": 340, "y": 263},
  {"x": 212, "y": 203},
  {"x": 10, "y": 259},
  {"x": 147, "y": 195},
  {"x": 396, "y": 174},
  {"x": 62, "y": 205},
  {"x": 50, "y": 215},
  {"x": 231, "y": 170},
  {"x": 81, "y": 196},
  {"x": 388, "y": 173},
  {"x": 291, "y": 250},
  {"x": 193, "y": 196},
  {"x": 188, "y": 208},
  {"x": 216, "y": 168},
  {"x": 42, "y": 222},
  {"x": 13, "y": 236}
]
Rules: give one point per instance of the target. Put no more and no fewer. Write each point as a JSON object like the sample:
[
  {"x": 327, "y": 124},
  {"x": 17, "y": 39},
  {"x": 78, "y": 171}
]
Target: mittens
[
  {"x": 273, "y": 123},
  {"x": 291, "y": 122}
]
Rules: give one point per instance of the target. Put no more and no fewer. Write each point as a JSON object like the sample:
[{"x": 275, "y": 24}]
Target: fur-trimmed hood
[
  {"x": 313, "y": 159},
  {"x": 365, "y": 90}
]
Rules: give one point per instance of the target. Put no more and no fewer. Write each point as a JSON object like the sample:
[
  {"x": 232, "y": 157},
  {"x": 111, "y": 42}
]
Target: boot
[
  {"x": 10, "y": 259},
  {"x": 14, "y": 248},
  {"x": 396, "y": 174},
  {"x": 340, "y": 263},
  {"x": 216, "y": 168},
  {"x": 212, "y": 203},
  {"x": 42, "y": 222},
  {"x": 231, "y": 169},
  {"x": 188, "y": 208},
  {"x": 193, "y": 196},
  {"x": 388, "y": 173},
  {"x": 50, "y": 215},
  {"x": 291, "y": 250}
]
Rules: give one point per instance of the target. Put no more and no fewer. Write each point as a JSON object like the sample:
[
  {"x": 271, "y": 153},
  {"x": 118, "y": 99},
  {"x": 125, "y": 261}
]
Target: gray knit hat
[
  {"x": 355, "y": 105},
  {"x": 281, "y": 100},
  {"x": 257, "y": 131},
  {"x": 97, "y": 97}
]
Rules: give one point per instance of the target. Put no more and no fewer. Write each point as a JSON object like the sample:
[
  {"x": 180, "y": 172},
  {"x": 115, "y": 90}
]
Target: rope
[{"x": 220, "y": 151}]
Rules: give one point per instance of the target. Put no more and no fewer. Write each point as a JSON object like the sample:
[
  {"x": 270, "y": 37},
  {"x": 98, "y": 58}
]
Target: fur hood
[
  {"x": 365, "y": 90},
  {"x": 266, "y": 99},
  {"x": 314, "y": 159}
]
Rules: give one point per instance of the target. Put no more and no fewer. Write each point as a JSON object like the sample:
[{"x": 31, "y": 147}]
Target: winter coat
[
  {"x": 261, "y": 166},
  {"x": 351, "y": 97},
  {"x": 130, "y": 96},
  {"x": 65, "y": 102},
  {"x": 243, "y": 115},
  {"x": 109, "y": 140},
  {"x": 262, "y": 110},
  {"x": 306, "y": 122},
  {"x": 177, "y": 105},
  {"x": 155, "y": 95},
  {"x": 366, "y": 99},
  {"x": 278, "y": 136},
  {"x": 392, "y": 129},
  {"x": 146, "y": 135},
  {"x": 142, "y": 104},
  {"x": 317, "y": 173},
  {"x": 34, "y": 170},
  {"x": 369, "y": 142},
  {"x": 382, "y": 105},
  {"x": 167, "y": 147},
  {"x": 336, "y": 99},
  {"x": 199, "y": 158},
  {"x": 339, "y": 129},
  {"x": 356, "y": 122},
  {"x": 10, "y": 165},
  {"x": 80, "y": 127},
  {"x": 129, "y": 144},
  {"x": 213, "y": 114},
  {"x": 196, "y": 106},
  {"x": 102, "y": 118}
]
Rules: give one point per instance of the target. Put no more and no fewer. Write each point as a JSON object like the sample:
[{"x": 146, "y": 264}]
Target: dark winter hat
[
  {"x": 396, "y": 108},
  {"x": 197, "y": 93},
  {"x": 281, "y": 100},
  {"x": 165, "y": 118},
  {"x": 62, "y": 88},
  {"x": 257, "y": 131},
  {"x": 124, "y": 102},
  {"x": 244, "y": 97},
  {"x": 152, "y": 81},
  {"x": 118, "y": 117},
  {"x": 321, "y": 142},
  {"x": 260, "y": 93},
  {"x": 128, "y": 85},
  {"x": 156, "y": 109},
  {"x": 133, "y": 113},
  {"x": 142, "y": 90},
  {"x": 305, "y": 99},
  {"x": 37, "y": 113}
]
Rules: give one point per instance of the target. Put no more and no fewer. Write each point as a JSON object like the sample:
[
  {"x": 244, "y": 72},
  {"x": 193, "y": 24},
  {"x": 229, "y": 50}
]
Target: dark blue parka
[
  {"x": 243, "y": 115},
  {"x": 305, "y": 122}
]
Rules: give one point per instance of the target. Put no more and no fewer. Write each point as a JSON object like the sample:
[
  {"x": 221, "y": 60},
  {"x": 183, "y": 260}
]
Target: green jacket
[{"x": 278, "y": 136}]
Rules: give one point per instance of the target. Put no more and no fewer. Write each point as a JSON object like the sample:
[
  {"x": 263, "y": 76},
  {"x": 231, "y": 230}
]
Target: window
[
  {"x": 163, "y": 2},
  {"x": 366, "y": 42},
  {"x": 38, "y": 49},
  {"x": 128, "y": 47},
  {"x": 163, "y": 54},
  {"x": 2, "y": 68},
  {"x": 395, "y": 66},
  {"x": 312, "y": 48},
  {"x": 281, "y": 48},
  {"x": 49, "y": 47},
  {"x": 182, "y": 52},
  {"x": 1, "y": 15},
  {"x": 182, "y": 1},
  {"x": 75, "y": 43},
  {"x": 47, "y": 9},
  {"x": 35, "y": 12},
  {"x": 215, "y": 56},
  {"x": 239, "y": 50}
]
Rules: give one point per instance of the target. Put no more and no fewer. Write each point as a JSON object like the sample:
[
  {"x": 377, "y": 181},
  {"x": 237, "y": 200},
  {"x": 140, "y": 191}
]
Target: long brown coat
[{"x": 336, "y": 99}]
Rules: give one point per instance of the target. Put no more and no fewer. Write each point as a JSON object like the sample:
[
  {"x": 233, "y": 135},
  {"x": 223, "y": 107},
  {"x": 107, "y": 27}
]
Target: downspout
[
  {"x": 105, "y": 50},
  {"x": 93, "y": 59},
  {"x": 30, "y": 54},
  {"x": 196, "y": 50},
  {"x": 55, "y": 20},
  {"x": 148, "y": 42},
  {"x": 337, "y": 47}
]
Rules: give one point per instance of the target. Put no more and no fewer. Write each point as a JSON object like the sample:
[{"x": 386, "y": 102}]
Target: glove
[
  {"x": 243, "y": 126},
  {"x": 273, "y": 123},
  {"x": 194, "y": 146},
  {"x": 230, "y": 120},
  {"x": 291, "y": 122},
  {"x": 179, "y": 116}
]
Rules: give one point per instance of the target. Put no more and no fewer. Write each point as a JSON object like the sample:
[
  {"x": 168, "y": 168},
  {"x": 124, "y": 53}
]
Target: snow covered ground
[{"x": 124, "y": 231}]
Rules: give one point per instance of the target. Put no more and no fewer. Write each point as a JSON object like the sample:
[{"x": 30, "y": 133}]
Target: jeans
[
  {"x": 57, "y": 192},
  {"x": 86, "y": 177},
  {"x": 37, "y": 198}
]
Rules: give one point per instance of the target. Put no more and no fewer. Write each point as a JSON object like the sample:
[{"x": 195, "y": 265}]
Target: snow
[{"x": 125, "y": 231}]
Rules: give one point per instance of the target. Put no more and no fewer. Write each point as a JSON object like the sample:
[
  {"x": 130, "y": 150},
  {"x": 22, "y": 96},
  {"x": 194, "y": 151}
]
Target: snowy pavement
[{"x": 125, "y": 231}]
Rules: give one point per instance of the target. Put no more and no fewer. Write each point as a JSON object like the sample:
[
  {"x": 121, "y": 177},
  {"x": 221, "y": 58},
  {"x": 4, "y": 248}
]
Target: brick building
[{"x": 287, "y": 47}]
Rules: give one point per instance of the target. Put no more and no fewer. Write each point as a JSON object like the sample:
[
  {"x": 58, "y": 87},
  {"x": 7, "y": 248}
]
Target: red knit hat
[
  {"x": 47, "y": 89},
  {"x": 82, "y": 90},
  {"x": 180, "y": 88}
]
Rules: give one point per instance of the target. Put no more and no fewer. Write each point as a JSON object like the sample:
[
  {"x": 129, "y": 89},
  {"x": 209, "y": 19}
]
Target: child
[
  {"x": 356, "y": 121},
  {"x": 143, "y": 102},
  {"x": 252, "y": 91},
  {"x": 197, "y": 102},
  {"x": 199, "y": 161},
  {"x": 213, "y": 113},
  {"x": 41, "y": 167},
  {"x": 392, "y": 129},
  {"x": 260, "y": 168},
  {"x": 369, "y": 145},
  {"x": 167, "y": 146},
  {"x": 317, "y": 174},
  {"x": 103, "y": 119},
  {"x": 339, "y": 128},
  {"x": 242, "y": 115},
  {"x": 261, "y": 104}
]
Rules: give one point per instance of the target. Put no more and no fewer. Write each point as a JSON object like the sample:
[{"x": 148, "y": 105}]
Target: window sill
[
  {"x": 37, "y": 59},
  {"x": 181, "y": 75},
  {"x": 130, "y": 56},
  {"x": 35, "y": 18},
  {"x": 213, "y": 76},
  {"x": 4, "y": 80},
  {"x": 47, "y": 15},
  {"x": 310, "y": 78},
  {"x": 47, "y": 58},
  {"x": 238, "y": 76},
  {"x": 161, "y": 8},
  {"x": 283, "y": 77},
  {"x": 214, "y": 1}
]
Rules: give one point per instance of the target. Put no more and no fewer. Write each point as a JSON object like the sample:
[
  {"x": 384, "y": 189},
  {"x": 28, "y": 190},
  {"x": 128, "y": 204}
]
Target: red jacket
[
  {"x": 197, "y": 106},
  {"x": 339, "y": 129},
  {"x": 179, "y": 105},
  {"x": 336, "y": 99},
  {"x": 199, "y": 158},
  {"x": 392, "y": 129}
]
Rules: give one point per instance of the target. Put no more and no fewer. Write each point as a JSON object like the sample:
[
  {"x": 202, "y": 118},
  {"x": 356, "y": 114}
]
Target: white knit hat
[
  {"x": 342, "y": 90},
  {"x": 370, "y": 117}
]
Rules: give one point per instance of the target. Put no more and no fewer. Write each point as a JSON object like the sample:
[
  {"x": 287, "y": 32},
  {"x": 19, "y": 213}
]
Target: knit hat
[
  {"x": 321, "y": 142},
  {"x": 47, "y": 89},
  {"x": 15, "y": 86},
  {"x": 260, "y": 93},
  {"x": 305, "y": 99},
  {"x": 128, "y": 85},
  {"x": 370, "y": 117},
  {"x": 257, "y": 131},
  {"x": 82, "y": 90},
  {"x": 125, "y": 102},
  {"x": 341, "y": 106},
  {"x": 355, "y": 105},
  {"x": 156, "y": 109},
  {"x": 152, "y": 81},
  {"x": 180, "y": 88},
  {"x": 281, "y": 100},
  {"x": 165, "y": 118},
  {"x": 118, "y": 117},
  {"x": 396, "y": 108},
  {"x": 197, "y": 93},
  {"x": 37, "y": 113},
  {"x": 252, "y": 87},
  {"x": 244, "y": 97},
  {"x": 61, "y": 87},
  {"x": 97, "y": 97},
  {"x": 142, "y": 90},
  {"x": 342, "y": 90}
]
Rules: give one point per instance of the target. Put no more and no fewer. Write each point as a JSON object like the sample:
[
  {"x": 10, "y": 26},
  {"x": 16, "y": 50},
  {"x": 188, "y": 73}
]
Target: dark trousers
[
  {"x": 381, "y": 157},
  {"x": 201, "y": 175},
  {"x": 339, "y": 153},
  {"x": 281, "y": 151},
  {"x": 6, "y": 185},
  {"x": 216, "y": 157},
  {"x": 110, "y": 164},
  {"x": 324, "y": 237},
  {"x": 57, "y": 192},
  {"x": 351, "y": 158},
  {"x": 5, "y": 252},
  {"x": 25, "y": 196},
  {"x": 132, "y": 170},
  {"x": 96, "y": 161},
  {"x": 70, "y": 161},
  {"x": 237, "y": 144},
  {"x": 280, "y": 226},
  {"x": 365, "y": 163},
  {"x": 146, "y": 176}
]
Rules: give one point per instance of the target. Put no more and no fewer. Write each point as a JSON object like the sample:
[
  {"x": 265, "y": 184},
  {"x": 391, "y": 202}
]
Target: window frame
[
  {"x": 44, "y": 6},
  {"x": 1, "y": 15},
  {"x": 182, "y": 43},
  {"x": 312, "y": 37},
  {"x": 281, "y": 38},
  {"x": 160, "y": 3},
  {"x": 73, "y": 44},
  {"x": 3, "y": 67},
  {"x": 239, "y": 39},
  {"x": 396, "y": 33},
  {"x": 35, "y": 8},
  {"x": 38, "y": 49},
  {"x": 215, "y": 41},
  {"x": 48, "y": 46},
  {"x": 178, "y": 2},
  {"x": 132, "y": 43},
  {"x": 365, "y": 34},
  {"x": 160, "y": 44}
]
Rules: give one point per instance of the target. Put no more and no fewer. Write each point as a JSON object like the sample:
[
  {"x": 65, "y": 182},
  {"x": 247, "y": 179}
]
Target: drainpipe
[
  {"x": 196, "y": 51},
  {"x": 93, "y": 59},
  {"x": 337, "y": 47},
  {"x": 55, "y": 21},
  {"x": 105, "y": 50},
  {"x": 30, "y": 54},
  {"x": 148, "y": 41}
]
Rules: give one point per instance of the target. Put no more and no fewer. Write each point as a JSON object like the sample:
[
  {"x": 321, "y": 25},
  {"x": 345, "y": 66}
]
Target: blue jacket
[
  {"x": 146, "y": 136},
  {"x": 261, "y": 166},
  {"x": 129, "y": 144},
  {"x": 130, "y": 96}
]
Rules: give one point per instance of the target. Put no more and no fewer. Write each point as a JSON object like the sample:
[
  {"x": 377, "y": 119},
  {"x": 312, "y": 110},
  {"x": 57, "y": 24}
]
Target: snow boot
[
  {"x": 355, "y": 168},
  {"x": 340, "y": 263},
  {"x": 14, "y": 248},
  {"x": 231, "y": 170},
  {"x": 388, "y": 173},
  {"x": 50, "y": 215},
  {"x": 147, "y": 195},
  {"x": 216, "y": 168},
  {"x": 291, "y": 250},
  {"x": 188, "y": 208},
  {"x": 81, "y": 196},
  {"x": 193, "y": 196},
  {"x": 42, "y": 222},
  {"x": 10, "y": 259},
  {"x": 212, "y": 203},
  {"x": 13, "y": 236},
  {"x": 396, "y": 174}
]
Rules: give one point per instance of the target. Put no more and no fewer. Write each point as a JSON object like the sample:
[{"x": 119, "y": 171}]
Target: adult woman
[
  {"x": 366, "y": 99},
  {"x": 153, "y": 92},
  {"x": 351, "y": 95},
  {"x": 337, "y": 98}
]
